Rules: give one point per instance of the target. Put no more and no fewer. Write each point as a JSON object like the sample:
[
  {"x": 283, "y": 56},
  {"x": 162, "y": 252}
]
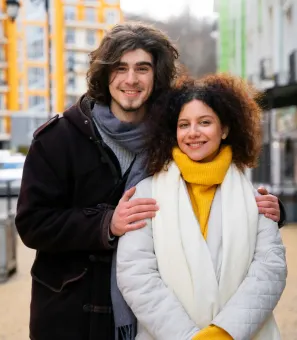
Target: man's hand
[
  {"x": 130, "y": 215},
  {"x": 268, "y": 205}
]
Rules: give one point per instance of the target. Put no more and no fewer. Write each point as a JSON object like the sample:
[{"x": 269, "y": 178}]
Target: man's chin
[{"x": 131, "y": 108}]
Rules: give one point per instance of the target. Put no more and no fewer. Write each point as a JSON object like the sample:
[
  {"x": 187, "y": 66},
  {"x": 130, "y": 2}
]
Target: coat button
[
  {"x": 87, "y": 308},
  {"x": 92, "y": 258},
  {"x": 86, "y": 122}
]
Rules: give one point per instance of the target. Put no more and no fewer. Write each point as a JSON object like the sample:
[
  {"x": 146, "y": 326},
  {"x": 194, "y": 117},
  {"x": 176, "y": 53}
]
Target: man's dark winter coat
[{"x": 71, "y": 184}]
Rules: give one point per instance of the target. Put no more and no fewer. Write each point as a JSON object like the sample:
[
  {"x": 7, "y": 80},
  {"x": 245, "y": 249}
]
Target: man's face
[{"x": 131, "y": 84}]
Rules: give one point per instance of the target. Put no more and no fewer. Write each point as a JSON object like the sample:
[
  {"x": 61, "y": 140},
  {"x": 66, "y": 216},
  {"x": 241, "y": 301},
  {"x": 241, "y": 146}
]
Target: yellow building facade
[
  {"x": 74, "y": 28},
  {"x": 44, "y": 53}
]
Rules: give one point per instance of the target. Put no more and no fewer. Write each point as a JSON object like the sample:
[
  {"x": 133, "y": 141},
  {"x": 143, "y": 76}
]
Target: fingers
[
  {"x": 272, "y": 217},
  {"x": 262, "y": 191},
  {"x": 140, "y": 216},
  {"x": 128, "y": 194},
  {"x": 265, "y": 198},
  {"x": 271, "y": 211},
  {"x": 141, "y": 201},
  {"x": 267, "y": 204},
  {"x": 135, "y": 226},
  {"x": 142, "y": 208}
]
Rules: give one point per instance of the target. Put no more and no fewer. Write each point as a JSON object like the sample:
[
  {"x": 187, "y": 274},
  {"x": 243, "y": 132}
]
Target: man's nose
[{"x": 131, "y": 78}]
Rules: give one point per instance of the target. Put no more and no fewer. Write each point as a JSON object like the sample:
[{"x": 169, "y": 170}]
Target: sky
[{"x": 163, "y": 9}]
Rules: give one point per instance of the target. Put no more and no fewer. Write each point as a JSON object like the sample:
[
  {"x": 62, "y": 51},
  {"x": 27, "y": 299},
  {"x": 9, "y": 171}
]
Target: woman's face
[{"x": 199, "y": 131}]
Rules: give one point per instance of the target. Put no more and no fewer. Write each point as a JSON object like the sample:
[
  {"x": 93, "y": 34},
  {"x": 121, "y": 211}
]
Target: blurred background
[{"x": 44, "y": 55}]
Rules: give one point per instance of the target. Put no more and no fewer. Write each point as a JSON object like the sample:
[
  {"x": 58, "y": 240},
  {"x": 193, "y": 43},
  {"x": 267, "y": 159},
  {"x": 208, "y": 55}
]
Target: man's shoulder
[{"x": 46, "y": 126}]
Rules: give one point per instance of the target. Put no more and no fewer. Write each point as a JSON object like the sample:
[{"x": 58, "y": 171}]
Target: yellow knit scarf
[{"x": 202, "y": 180}]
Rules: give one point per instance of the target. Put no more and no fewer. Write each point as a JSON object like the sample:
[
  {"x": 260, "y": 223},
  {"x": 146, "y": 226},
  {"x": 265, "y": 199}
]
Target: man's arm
[
  {"x": 271, "y": 207},
  {"x": 41, "y": 220}
]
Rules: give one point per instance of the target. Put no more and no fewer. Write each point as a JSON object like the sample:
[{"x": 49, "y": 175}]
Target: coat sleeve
[
  {"x": 156, "y": 308},
  {"x": 41, "y": 220},
  {"x": 259, "y": 293}
]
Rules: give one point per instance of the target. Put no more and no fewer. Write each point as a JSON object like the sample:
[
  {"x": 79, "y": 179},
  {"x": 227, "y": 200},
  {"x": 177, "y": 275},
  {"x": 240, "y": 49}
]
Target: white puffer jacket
[{"x": 161, "y": 315}]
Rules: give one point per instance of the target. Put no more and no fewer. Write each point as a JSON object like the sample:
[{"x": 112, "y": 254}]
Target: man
[{"x": 71, "y": 207}]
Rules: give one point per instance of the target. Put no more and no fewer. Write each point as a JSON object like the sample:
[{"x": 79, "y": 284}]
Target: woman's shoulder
[{"x": 144, "y": 188}]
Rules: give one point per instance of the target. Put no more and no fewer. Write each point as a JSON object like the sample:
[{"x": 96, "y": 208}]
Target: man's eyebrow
[
  {"x": 144, "y": 63},
  {"x": 140, "y": 63}
]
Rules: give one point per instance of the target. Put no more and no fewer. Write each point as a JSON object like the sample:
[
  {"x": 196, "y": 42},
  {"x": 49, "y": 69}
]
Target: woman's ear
[{"x": 225, "y": 132}]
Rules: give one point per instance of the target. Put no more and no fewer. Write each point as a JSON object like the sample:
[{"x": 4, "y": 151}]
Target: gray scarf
[{"x": 131, "y": 137}]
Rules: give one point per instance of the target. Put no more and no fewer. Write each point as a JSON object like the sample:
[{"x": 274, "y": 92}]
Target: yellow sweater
[{"x": 202, "y": 180}]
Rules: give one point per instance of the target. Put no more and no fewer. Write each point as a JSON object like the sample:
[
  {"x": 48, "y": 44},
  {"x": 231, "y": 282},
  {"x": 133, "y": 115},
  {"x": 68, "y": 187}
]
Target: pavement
[{"x": 15, "y": 294}]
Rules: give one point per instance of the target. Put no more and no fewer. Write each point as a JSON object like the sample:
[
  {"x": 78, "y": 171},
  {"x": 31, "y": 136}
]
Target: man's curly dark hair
[
  {"x": 127, "y": 37},
  {"x": 233, "y": 100}
]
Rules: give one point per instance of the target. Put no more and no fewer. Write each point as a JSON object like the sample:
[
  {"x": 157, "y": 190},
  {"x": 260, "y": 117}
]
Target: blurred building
[
  {"x": 54, "y": 47},
  {"x": 257, "y": 40},
  {"x": 44, "y": 57},
  {"x": 8, "y": 71}
]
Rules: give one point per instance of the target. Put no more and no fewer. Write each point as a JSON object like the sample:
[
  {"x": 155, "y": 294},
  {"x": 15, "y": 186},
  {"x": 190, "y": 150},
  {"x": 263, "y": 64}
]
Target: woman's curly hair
[{"x": 233, "y": 100}]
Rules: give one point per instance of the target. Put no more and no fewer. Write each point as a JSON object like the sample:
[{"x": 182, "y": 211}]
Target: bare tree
[{"x": 193, "y": 38}]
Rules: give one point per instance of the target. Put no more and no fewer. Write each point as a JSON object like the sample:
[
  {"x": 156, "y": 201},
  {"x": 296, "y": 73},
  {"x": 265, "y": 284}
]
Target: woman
[{"x": 208, "y": 266}]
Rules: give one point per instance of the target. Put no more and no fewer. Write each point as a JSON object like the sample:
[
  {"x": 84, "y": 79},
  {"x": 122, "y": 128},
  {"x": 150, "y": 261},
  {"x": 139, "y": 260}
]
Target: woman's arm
[
  {"x": 259, "y": 293},
  {"x": 153, "y": 304}
]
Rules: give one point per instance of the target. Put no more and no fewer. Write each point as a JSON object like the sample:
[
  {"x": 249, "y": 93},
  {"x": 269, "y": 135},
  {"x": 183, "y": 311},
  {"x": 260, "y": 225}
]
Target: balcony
[
  {"x": 86, "y": 25},
  {"x": 3, "y": 40},
  {"x": 3, "y": 63},
  {"x": 79, "y": 48},
  {"x": 3, "y": 86}
]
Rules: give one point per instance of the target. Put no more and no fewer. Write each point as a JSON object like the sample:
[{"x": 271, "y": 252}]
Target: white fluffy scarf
[{"x": 184, "y": 260}]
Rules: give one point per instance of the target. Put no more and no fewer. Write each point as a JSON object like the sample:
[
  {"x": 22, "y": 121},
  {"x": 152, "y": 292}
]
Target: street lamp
[{"x": 12, "y": 8}]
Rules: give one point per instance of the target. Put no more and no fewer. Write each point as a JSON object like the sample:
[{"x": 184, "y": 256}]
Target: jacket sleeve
[
  {"x": 156, "y": 308},
  {"x": 283, "y": 214},
  {"x": 41, "y": 220},
  {"x": 259, "y": 293}
]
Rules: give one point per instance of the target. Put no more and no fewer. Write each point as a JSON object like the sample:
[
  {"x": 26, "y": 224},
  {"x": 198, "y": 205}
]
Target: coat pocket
[{"x": 55, "y": 271}]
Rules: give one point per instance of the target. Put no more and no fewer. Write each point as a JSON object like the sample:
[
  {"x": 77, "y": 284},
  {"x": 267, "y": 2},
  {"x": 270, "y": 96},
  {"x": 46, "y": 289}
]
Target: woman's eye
[
  {"x": 205, "y": 122},
  {"x": 182, "y": 126}
]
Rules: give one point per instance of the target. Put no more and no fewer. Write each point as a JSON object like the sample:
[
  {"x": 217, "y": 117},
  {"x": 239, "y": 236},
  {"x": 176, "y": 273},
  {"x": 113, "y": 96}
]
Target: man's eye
[
  {"x": 121, "y": 69},
  {"x": 142, "y": 69}
]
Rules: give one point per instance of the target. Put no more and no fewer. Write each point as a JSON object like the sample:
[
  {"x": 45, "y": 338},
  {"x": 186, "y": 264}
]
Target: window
[
  {"x": 69, "y": 13},
  {"x": 260, "y": 15},
  {"x": 70, "y": 64},
  {"x": 70, "y": 100},
  {"x": 112, "y": 2},
  {"x": 2, "y": 102},
  {"x": 70, "y": 36},
  {"x": 36, "y": 78},
  {"x": 111, "y": 16},
  {"x": 2, "y": 54},
  {"x": 289, "y": 14},
  {"x": 71, "y": 81},
  {"x": 90, "y": 14},
  {"x": 37, "y": 102},
  {"x": 91, "y": 37},
  {"x": 11, "y": 165},
  {"x": 2, "y": 78},
  {"x": 35, "y": 37}
]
